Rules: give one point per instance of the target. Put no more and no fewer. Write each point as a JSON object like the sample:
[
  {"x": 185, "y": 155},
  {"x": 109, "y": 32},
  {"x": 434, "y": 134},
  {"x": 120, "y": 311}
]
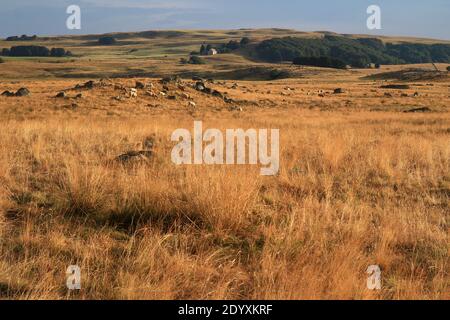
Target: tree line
[
  {"x": 34, "y": 51},
  {"x": 23, "y": 37},
  {"x": 228, "y": 47},
  {"x": 336, "y": 51}
]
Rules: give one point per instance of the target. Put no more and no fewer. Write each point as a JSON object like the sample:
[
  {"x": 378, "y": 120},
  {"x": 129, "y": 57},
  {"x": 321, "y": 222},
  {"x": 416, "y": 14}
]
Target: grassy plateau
[{"x": 364, "y": 180}]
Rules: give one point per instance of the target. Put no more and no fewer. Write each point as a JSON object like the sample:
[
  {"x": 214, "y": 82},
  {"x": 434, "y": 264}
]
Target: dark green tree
[
  {"x": 107, "y": 40},
  {"x": 245, "y": 41}
]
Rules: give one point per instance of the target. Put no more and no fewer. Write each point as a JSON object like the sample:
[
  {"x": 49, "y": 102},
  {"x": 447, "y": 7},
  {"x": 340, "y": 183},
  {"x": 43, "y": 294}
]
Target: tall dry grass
[{"x": 354, "y": 190}]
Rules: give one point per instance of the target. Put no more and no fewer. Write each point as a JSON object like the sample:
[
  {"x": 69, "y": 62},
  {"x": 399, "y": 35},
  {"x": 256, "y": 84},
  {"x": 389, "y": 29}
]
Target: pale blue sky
[{"x": 430, "y": 18}]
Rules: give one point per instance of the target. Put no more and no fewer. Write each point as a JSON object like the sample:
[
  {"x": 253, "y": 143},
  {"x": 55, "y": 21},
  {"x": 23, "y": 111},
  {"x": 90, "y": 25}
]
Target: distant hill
[
  {"x": 161, "y": 52},
  {"x": 256, "y": 34}
]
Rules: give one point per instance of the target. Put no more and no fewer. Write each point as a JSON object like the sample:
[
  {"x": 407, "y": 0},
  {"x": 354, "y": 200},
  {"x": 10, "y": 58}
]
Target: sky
[{"x": 418, "y": 18}]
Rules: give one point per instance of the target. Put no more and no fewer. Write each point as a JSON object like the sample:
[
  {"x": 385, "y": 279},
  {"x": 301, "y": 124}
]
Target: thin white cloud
[
  {"x": 144, "y": 4},
  {"x": 138, "y": 4}
]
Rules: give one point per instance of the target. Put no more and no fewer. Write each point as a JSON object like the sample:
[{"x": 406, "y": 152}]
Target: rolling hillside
[{"x": 153, "y": 54}]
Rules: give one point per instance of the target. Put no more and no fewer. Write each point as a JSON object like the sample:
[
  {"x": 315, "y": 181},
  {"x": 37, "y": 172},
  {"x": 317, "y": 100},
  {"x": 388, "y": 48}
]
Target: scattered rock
[
  {"x": 192, "y": 104},
  {"x": 338, "y": 91},
  {"x": 133, "y": 93},
  {"x": 172, "y": 97},
  {"x": 387, "y": 94},
  {"x": 22, "y": 92},
  {"x": 228, "y": 100},
  {"x": 216, "y": 93},
  {"x": 119, "y": 87},
  {"x": 104, "y": 82},
  {"x": 140, "y": 85},
  {"x": 87, "y": 85},
  {"x": 207, "y": 91},
  {"x": 416, "y": 94},
  {"x": 404, "y": 95},
  {"x": 8, "y": 94},
  {"x": 79, "y": 96},
  {"x": 61, "y": 94},
  {"x": 235, "y": 108},
  {"x": 200, "y": 86}
]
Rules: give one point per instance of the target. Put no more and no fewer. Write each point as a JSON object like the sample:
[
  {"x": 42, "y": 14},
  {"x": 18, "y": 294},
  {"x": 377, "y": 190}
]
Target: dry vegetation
[{"x": 361, "y": 183}]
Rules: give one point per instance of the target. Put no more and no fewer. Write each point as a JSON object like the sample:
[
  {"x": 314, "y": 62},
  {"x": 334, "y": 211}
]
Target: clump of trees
[
  {"x": 245, "y": 42},
  {"x": 1, "y": 60},
  {"x": 59, "y": 52},
  {"x": 228, "y": 47},
  {"x": 448, "y": 68},
  {"x": 23, "y": 37},
  {"x": 359, "y": 53},
  {"x": 204, "y": 49},
  {"x": 323, "y": 62},
  {"x": 35, "y": 51},
  {"x": 29, "y": 51},
  {"x": 107, "y": 41}
]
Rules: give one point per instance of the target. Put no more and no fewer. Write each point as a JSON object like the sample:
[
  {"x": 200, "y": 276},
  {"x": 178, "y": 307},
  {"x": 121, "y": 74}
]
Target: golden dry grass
[{"x": 361, "y": 183}]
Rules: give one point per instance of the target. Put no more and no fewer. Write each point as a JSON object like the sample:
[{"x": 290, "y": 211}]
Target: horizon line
[{"x": 236, "y": 29}]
